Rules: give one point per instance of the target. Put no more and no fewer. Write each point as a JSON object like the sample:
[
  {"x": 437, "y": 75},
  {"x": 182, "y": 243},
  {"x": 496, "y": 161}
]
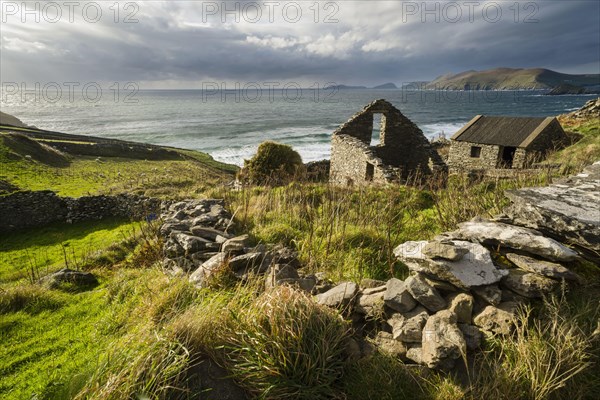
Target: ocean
[{"x": 230, "y": 125}]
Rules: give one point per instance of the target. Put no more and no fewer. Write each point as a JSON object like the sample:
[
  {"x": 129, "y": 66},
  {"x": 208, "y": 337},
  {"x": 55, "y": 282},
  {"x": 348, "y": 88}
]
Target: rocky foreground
[{"x": 462, "y": 285}]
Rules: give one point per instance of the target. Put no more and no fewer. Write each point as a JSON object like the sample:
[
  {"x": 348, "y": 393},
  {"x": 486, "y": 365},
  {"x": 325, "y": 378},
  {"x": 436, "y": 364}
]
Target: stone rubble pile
[
  {"x": 462, "y": 285},
  {"x": 198, "y": 240}
]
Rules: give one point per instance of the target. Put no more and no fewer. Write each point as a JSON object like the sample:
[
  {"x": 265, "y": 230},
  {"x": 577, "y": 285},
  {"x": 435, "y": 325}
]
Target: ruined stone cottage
[
  {"x": 402, "y": 152},
  {"x": 487, "y": 143}
]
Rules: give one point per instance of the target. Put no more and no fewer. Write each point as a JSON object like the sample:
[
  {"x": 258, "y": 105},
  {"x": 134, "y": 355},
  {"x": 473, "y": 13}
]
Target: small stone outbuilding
[
  {"x": 487, "y": 143},
  {"x": 403, "y": 151}
]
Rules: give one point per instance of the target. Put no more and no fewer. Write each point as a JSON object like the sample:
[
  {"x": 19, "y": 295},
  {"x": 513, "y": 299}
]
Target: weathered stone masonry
[
  {"x": 28, "y": 209},
  {"x": 403, "y": 150}
]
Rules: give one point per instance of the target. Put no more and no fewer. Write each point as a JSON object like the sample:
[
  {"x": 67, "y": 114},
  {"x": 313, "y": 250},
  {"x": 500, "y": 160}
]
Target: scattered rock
[
  {"x": 409, "y": 327},
  {"x": 397, "y": 296},
  {"x": 340, "y": 296},
  {"x": 461, "y": 304},
  {"x": 190, "y": 244},
  {"x": 415, "y": 354},
  {"x": 546, "y": 268},
  {"x": 280, "y": 274},
  {"x": 442, "y": 341},
  {"x": 249, "y": 262},
  {"x": 475, "y": 267},
  {"x": 499, "y": 319},
  {"x": 236, "y": 244},
  {"x": 529, "y": 285},
  {"x": 444, "y": 250},
  {"x": 568, "y": 209},
  {"x": 210, "y": 234},
  {"x": 370, "y": 305},
  {"x": 425, "y": 294},
  {"x": 65, "y": 275},
  {"x": 199, "y": 277}
]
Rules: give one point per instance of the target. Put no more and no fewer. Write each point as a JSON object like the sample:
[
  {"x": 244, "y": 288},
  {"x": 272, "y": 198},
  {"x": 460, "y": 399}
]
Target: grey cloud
[{"x": 161, "y": 48}]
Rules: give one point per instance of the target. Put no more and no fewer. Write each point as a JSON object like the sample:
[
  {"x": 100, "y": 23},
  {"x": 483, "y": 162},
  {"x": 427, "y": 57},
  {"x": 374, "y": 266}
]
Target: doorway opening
[{"x": 508, "y": 155}]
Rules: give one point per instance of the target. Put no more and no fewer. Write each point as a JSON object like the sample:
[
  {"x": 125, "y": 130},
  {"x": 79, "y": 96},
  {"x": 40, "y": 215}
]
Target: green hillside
[{"x": 511, "y": 79}]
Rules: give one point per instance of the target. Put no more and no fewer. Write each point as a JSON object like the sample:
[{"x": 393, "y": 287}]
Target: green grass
[
  {"x": 87, "y": 176},
  {"x": 32, "y": 253},
  {"x": 585, "y": 151},
  {"x": 350, "y": 233}
]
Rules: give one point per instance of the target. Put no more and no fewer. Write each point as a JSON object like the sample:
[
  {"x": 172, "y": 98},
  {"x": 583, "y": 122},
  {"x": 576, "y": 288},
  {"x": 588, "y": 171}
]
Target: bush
[{"x": 273, "y": 164}]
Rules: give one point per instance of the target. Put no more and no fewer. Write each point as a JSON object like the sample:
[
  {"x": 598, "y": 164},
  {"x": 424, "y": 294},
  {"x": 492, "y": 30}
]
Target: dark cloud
[{"x": 373, "y": 42}]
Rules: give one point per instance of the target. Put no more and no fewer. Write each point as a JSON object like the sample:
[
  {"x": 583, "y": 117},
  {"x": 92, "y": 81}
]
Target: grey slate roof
[{"x": 503, "y": 131}]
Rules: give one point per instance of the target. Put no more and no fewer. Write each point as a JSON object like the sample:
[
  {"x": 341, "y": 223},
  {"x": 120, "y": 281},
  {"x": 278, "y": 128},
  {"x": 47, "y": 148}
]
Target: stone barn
[
  {"x": 403, "y": 151},
  {"x": 487, "y": 143}
]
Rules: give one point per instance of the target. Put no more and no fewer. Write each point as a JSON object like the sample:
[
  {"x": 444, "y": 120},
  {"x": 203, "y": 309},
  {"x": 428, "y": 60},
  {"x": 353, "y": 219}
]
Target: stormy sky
[{"x": 182, "y": 44}]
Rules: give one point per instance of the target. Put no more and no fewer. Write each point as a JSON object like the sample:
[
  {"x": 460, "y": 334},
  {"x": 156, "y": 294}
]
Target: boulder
[
  {"x": 498, "y": 320},
  {"x": 250, "y": 262},
  {"x": 568, "y": 209},
  {"x": 442, "y": 341},
  {"x": 397, "y": 296},
  {"x": 190, "y": 244},
  {"x": 66, "y": 275},
  {"x": 280, "y": 274},
  {"x": 444, "y": 250},
  {"x": 461, "y": 304},
  {"x": 340, "y": 296},
  {"x": 204, "y": 271},
  {"x": 514, "y": 237},
  {"x": 474, "y": 268},
  {"x": 370, "y": 305},
  {"x": 168, "y": 227},
  {"x": 415, "y": 353},
  {"x": 545, "y": 268},
  {"x": 530, "y": 285},
  {"x": 408, "y": 327},
  {"x": 236, "y": 244},
  {"x": 425, "y": 294}
]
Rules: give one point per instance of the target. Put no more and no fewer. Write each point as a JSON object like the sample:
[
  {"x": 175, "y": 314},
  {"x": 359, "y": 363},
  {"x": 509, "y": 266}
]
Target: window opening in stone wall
[
  {"x": 475, "y": 151},
  {"x": 376, "y": 133}
]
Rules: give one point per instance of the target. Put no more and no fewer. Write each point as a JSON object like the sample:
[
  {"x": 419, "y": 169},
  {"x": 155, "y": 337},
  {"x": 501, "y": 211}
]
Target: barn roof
[{"x": 503, "y": 131}]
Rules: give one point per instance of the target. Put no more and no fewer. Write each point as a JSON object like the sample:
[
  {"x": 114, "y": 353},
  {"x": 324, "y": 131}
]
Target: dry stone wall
[{"x": 29, "y": 209}]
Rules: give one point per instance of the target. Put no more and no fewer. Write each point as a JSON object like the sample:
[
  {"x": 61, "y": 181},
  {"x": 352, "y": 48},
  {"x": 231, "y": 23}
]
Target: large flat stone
[
  {"x": 474, "y": 268},
  {"x": 546, "y": 268},
  {"x": 569, "y": 209},
  {"x": 529, "y": 285},
  {"x": 339, "y": 296},
  {"x": 514, "y": 237}
]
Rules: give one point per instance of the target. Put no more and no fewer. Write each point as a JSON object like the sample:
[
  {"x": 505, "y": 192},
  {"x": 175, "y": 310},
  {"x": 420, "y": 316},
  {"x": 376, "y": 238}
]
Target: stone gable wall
[
  {"x": 349, "y": 158},
  {"x": 403, "y": 150},
  {"x": 29, "y": 209}
]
